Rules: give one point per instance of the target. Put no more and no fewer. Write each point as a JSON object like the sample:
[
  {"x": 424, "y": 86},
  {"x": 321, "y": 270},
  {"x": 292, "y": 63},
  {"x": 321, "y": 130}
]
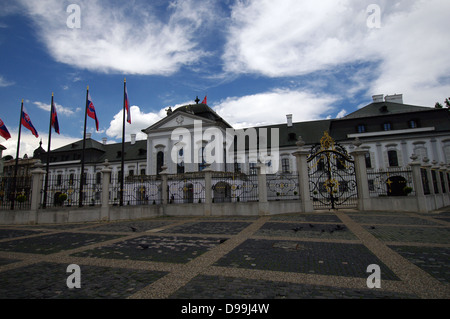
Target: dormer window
[
  {"x": 361, "y": 128},
  {"x": 413, "y": 124},
  {"x": 387, "y": 126},
  {"x": 292, "y": 137}
]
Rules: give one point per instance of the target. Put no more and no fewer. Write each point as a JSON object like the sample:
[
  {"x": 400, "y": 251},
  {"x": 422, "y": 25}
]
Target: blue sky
[{"x": 256, "y": 60}]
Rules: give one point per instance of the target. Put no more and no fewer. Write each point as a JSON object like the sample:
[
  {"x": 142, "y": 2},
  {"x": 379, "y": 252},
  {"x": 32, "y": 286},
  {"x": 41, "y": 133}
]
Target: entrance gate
[{"x": 332, "y": 178}]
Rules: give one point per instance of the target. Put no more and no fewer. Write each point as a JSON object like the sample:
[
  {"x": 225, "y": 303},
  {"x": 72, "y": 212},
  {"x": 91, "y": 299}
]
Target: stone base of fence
[{"x": 115, "y": 213}]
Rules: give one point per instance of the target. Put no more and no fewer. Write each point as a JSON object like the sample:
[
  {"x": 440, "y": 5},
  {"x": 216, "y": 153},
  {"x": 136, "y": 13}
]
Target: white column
[
  {"x": 37, "y": 179},
  {"x": 106, "y": 175}
]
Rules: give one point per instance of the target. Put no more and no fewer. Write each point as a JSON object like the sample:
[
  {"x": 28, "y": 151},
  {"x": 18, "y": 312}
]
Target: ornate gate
[{"x": 332, "y": 179}]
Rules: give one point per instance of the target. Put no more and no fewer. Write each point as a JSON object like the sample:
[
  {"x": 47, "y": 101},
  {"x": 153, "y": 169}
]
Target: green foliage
[{"x": 62, "y": 198}]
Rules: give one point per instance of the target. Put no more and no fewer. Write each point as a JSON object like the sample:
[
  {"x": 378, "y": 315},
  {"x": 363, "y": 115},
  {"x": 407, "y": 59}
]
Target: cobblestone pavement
[{"x": 324, "y": 255}]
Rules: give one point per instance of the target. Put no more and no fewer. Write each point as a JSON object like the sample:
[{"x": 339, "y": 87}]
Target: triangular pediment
[{"x": 177, "y": 120}]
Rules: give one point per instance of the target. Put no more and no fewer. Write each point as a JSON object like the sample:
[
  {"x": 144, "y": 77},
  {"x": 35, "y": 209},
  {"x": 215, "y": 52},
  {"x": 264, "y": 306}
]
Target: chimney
[
  {"x": 378, "y": 98},
  {"x": 104, "y": 140},
  {"x": 88, "y": 135},
  {"x": 133, "y": 139},
  {"x": 289, "y": 120},
  {"x": 396, "y": 98}
]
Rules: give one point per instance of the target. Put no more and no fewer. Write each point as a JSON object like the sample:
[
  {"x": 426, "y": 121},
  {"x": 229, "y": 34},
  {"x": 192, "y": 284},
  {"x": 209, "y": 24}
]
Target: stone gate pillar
[
  {"x": 106, "y": 177},
  {"x": 418, "y": 184},
  {"x": 362, "y": 181},
  {"x": 301, "y": 157},
  {"x": 36, "y": 191},
  {"x": 263, "y": 204},
  {"x": 208, "y": 190}
]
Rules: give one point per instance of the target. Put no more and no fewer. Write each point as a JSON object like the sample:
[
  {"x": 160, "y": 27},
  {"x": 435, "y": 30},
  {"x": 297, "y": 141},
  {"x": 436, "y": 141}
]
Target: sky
[{"x": 255, "y": 60}]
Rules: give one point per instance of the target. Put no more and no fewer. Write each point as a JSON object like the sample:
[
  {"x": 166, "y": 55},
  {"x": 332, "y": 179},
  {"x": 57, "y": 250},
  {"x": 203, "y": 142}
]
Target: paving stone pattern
[{"x": 324, "y": 255}]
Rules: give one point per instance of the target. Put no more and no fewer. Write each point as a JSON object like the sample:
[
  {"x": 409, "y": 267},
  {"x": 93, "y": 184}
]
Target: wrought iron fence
[
  {"x": 282, "y": 186},
  {"x": 391, "y": 182},
  {"x": 186, "y": 188},
  {"x": 435, "y": 182},
  {"x": 64, "y": 190},
  {"x": 18, "y": 198},
  {"x": 441, "y": 175},
  {"x": 425, "y": 181},
  {"x": 138, "y": 190},
  {"x": 234, "y": 187}
]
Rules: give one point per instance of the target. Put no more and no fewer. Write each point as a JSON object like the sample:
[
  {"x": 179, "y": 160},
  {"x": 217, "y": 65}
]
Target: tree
[{"x": 440, "y": 106}]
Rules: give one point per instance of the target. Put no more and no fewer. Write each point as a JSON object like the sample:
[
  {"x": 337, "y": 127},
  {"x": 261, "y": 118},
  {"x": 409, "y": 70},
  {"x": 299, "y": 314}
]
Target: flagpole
[
  {"x": 17, "y": 159},
  {"x": 44, "y": 205},
  {"x": 122, "y": 167},
  {"x": 80, "y": 201}
]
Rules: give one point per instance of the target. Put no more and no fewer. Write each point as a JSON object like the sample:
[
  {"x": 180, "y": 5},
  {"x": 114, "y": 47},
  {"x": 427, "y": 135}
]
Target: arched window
[
  {"x": 159, "y": 162},
  {"x": 180, "y": 162},
  {"x": 202, "y": 164},
  {"x": 285, "y": 165}
]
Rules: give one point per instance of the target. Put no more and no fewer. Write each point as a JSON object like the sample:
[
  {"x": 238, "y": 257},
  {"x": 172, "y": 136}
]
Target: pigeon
[
  {"x": 223, "y": 240},
  {"x": 323, "y": 230},
  {"x": 144, "y": 246},
  {"x": 311, "y": 225},
  {"x": 296, "y": 229},
  {"x": 133, "y": 229},
  {"x": 331, "y": 231},
  {"x": 372, "y": 227},
  {"x": 339, "y": 227}
]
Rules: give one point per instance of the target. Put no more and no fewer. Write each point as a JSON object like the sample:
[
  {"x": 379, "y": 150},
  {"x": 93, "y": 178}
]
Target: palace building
[{"x": 194, "y": 137}]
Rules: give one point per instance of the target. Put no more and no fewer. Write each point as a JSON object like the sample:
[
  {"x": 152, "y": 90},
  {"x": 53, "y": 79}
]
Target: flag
[
  {"x": 127, "y": 105},
  {"x": 91, "y": 111},
  {"x": 26, "y": 121},
  {"x": 205, "y": 101},
  {"x": 4, "y": 131},
  {"x": 55, "y": 123}
]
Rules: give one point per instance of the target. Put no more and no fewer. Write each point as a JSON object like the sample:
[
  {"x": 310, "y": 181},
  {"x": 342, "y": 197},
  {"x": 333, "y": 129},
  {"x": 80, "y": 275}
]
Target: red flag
[
  {"x": 55, "y": 123},
  {"x": 91, "y": 111},
  {"x": 205, "y": 101},
  {"x": 127, "y": 105},
  {"x": 26, "y": 121},
  {"x": 4, "y": 131}
]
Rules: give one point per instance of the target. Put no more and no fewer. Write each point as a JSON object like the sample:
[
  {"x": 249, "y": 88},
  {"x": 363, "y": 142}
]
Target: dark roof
[
  {"x": 113, "y": 152},
  {"x": 386, "y": 108},
  {"x": 90, "y": 144},
  {"x": 311, "y": 132}
]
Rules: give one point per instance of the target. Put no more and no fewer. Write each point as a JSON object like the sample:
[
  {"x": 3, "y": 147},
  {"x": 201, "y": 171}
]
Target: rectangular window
[
  {"x": 393, "y": 158},
  {"x": 387, "y": 126},
  {"x": 285, "y": 165},
  {"x": 368, "y": 160},
  {"x": 361, "y": 128},
  {"x": 413, "y": 124},
  {"x": 59, "y": 180}
]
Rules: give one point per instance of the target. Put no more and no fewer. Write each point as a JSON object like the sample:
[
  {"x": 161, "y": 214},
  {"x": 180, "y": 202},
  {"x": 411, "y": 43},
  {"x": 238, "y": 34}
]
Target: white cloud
[
  {"x": 29, "y": 143},
  {"x": 341, "y": 114},
  {"x": 4, "y": 82},
  {"x": 272, "y": 107},
  {"x": 300, "y": 37},
  {"x": 294, "y": 37},
  {"x": 123, "y": 38},
  {"x": 61, "y": 110},
  {"x": 139, "y": 121}
]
